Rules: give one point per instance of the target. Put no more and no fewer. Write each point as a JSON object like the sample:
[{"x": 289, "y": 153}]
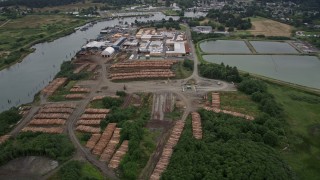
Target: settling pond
[
  {"x": 22, "y": 81},
  {"x": 273, "y": 47},
  {"x": 224, "y": 46},
  {"x": 301, "y": 70}
]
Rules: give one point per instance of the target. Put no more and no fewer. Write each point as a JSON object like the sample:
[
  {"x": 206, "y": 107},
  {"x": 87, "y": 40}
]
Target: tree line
[
  {"x": 220, "y": 71},
  {"x": 8, "y": 119},
  {"x": 37, "y": 3}
]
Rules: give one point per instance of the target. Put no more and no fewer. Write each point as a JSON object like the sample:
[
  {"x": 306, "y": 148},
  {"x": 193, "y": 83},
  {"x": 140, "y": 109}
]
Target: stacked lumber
[
  {"x": 79, "y": 90},
  {"x": 75, "y": 96},
  {"x": 4, "y": 138},
  {"x": 53, "y": 86},
  {"x": 104, "y": 139},
  {"x": 88, "y": 129},
  {"x": 51, "y": 130},
  {"x": 116, "y": 158},
  {"x": 60, "y": 105},
  {"x": 90, "y": 122},
  {"x": 138, "y": 75},
  {"x": 148, "y": 64},
  {"x": 97, "y": 111},
  {"x": 93, "y": 116},
  {"x": 80, "y": 68},
  {"x": 93, "y": 141},
  {"x": 235, "y": 114},
  {"x": 196, "y": 125},
  {"x": 47, "y": 122},
  {"x": 111, "y": 147},
  {"x": 56, "y": 110},
  {"x": 168, "y": 150},
  {"x": 92, "y": 67},
  {"x": 216, "y": 100},
  {"x": 52, "y": 116}
]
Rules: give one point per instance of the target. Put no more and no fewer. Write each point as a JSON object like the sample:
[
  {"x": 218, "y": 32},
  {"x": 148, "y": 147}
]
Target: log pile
[
  {"x": 79, "y": 90},
  {"x": 53, "y": 86},
  {"x": 93, "y": 141},
  {"x": 4, "y": 138},
  {"x": 80, "y": 68},
  {"x": 196, "y": 125},
  {"x": 51, "y": 130},
  {"x": 168, "y": 150},
  {"x": 104, "y": 139},
  {"x": 90, "y": 122},
  {"x": 93, "y": 116},
  {"x": 53, "y": 115},
  {"x": 47, "y": 122},
  {"x": 111, "y": 147},
  {"x": 97, "y": 111},
  {"x": 75, "y": 96},
  {"x": 216, "y": 100},
  {"x": 142, "y": 69},
  {"x": 88, "y": 129},
  {"x": 116, "y": 158}
]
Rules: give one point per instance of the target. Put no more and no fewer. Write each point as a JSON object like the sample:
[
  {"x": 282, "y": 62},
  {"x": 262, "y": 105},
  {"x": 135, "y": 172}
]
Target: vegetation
[
  {"x": 66, "y": 70},
  {"x": 37, "y": 3},
  {"x": 55, "y": 146},
  {"x": 183, "y": 69},
  {"x": 117, "y": 3},
  {"x": 197, "y": 37},
  {"x": 8, "y": 119},
  {"x": 231, "y": 148},
  {"x": 229, "y": 19},
  {"x": 78, "y": 170},
  {"x": 216, "y": 71}
]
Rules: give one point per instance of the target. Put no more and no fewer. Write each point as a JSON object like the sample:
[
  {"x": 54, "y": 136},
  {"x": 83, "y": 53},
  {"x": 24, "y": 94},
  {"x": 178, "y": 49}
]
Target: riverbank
[{"x": 21, "y": 34}]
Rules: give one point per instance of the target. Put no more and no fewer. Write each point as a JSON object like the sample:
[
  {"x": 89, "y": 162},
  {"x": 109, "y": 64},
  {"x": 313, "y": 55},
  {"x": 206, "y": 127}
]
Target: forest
[
  {"x": 37, "y": 3},
  {"x": 220, "y": 71},
  {"x": 118, "y": 3},
  {"x": 55, "y": 146}
]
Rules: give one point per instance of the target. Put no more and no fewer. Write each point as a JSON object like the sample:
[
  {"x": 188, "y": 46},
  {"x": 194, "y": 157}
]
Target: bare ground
[{"x": 270, "y": 28}]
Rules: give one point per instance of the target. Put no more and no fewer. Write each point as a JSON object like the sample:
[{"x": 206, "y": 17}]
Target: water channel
[{"x": 22, "y": 81}]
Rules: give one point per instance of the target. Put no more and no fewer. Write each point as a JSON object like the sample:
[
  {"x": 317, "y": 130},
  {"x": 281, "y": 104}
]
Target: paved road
[{"x": 104, "y": 85}]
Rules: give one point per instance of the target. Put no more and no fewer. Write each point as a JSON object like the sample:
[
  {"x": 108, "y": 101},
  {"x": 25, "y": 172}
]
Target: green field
[
  {"x": 18, "y": 35},
  {"x": 302, "y": 112}
]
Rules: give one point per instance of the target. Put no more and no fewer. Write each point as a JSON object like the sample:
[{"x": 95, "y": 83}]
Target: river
[{"x": 22, "y": 81}]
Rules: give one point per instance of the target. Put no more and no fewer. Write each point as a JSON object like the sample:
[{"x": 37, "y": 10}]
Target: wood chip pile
[
  {"x": 80, "y": 68},
  {"x": 236, "y": 114},
  {"x": 50, "y": 118},
  {"x": 111, "y": 147},
  {"x": 53, "y": 86},
  {"x": 142, "y": 69},
  {"x": 216, "y": 100},
  {"x": 168, "y": 150},
  {"x": 4, "y": 138},
  {"x": 104, "y": 139},
  {"x": 88, "y": 129},
  {"x": 196, "y": 125},
  {"x": 116, "y": 158},
  {"x": 93, "y": 141}
]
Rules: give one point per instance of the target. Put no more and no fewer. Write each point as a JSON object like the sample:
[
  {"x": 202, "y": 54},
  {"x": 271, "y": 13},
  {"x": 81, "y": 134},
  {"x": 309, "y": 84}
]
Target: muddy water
[{"x": 22, "y": 81}]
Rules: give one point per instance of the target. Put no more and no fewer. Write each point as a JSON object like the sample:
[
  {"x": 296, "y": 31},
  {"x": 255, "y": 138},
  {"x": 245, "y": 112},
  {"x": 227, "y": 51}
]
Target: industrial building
[
  {"x": 108, "y": 52},
  {"x": 202, "y": 29}
]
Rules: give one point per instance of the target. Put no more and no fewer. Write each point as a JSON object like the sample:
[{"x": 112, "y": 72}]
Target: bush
[
  {"x": 110, "y": 102},
  {"x": 188, "y": 64},
  {"x": 250, "y": 86},
  {"x": 121, "y": 93},
  {"x": 216, "y": 71},
  {"x": 7, "y": 119}
]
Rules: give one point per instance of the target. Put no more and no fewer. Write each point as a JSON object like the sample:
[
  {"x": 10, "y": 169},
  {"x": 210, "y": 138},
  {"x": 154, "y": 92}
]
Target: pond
[
  {"x": 273, "y": 47},
  {"x": 22, "y": 81},
  {"x": 224, "y": 46},
  {"x": 301, "y": 70}
]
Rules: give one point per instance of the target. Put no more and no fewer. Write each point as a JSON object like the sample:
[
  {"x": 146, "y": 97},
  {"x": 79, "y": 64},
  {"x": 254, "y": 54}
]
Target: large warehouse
[{"x": 108, "y": 52}]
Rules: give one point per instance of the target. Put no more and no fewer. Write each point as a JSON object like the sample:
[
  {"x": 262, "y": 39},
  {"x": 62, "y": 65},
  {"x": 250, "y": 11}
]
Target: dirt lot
[{"x": 270, "y": 28}]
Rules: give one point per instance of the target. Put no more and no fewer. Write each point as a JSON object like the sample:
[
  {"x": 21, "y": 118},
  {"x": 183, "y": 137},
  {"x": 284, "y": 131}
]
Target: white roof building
[
  {"x": 95, "y": 44},
  {"x": 108, "y": 52},
  {"x": 179, "y": 49}
]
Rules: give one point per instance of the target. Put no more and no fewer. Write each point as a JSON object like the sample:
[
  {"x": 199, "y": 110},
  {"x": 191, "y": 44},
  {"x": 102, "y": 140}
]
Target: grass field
[
  {"x": 170, "y": 12},
  {"x": 302, "y": 112},
  {"x": 269, "y": 27},
  {"x": 70, "y": 7},
  {"x": 238, "y": 102},
  {"x": 18, "y": 35},
  {"x": 181, "y": 71}
]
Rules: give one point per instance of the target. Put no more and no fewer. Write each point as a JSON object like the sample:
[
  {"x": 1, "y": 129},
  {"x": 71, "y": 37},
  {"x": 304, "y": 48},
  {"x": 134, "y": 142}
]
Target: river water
[{"x": 22, "y": 81}]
